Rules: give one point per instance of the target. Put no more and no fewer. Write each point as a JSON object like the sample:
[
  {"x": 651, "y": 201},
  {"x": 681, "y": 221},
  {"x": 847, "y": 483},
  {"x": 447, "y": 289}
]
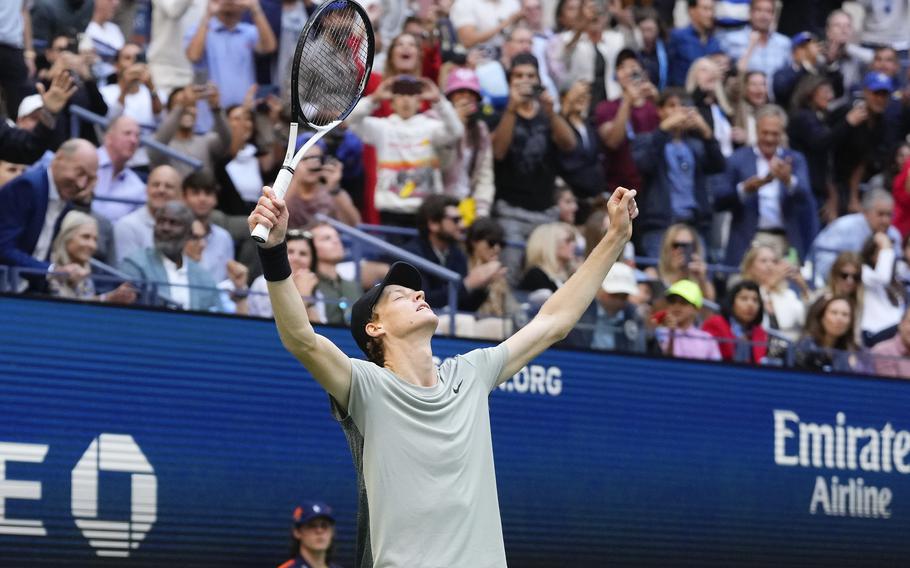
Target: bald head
[
  {"x": 163, "y": 186},
  {"x": 74, "y": 169},
  {"x": 122, "y": 140}
]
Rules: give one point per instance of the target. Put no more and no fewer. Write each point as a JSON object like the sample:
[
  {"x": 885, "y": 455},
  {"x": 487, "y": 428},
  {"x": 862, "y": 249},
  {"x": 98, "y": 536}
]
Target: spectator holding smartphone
[
  {"x": 470, "y": 176},
  {"x": 133, "y": 93},
  {"x": 178, "y": 130},
  {"x": 525, "y": 143},
  {"x": 620, "y": 120},
  {"x": 316, "y": 188},
  {"x": 675, "y": 161},
  {"x": 408, "y": 144},
  {"x": 682, "y": 256},
  {"x": 225, "y": 45}
]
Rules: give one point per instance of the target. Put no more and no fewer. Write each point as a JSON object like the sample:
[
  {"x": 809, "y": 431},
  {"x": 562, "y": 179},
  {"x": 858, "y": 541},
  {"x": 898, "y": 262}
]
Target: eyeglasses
[{"x": 849, "y": 276}]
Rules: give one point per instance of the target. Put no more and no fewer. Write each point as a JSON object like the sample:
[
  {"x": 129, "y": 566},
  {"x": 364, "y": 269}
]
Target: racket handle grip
[{"x": 260, "y": 234}]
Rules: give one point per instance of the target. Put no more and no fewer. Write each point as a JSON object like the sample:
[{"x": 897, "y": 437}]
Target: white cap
[
  {"x": 620, "y": 280},
  {"x": 29, "y": 105}
]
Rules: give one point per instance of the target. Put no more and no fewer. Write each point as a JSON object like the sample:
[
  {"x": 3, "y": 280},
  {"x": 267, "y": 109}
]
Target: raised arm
[
  {"x": 561, "y": 312},
  {"x": 327, "y": 363}
]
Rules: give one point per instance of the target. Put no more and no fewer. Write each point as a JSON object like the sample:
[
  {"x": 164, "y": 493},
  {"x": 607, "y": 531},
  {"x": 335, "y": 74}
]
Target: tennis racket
[{"x": 330, "y": 69}]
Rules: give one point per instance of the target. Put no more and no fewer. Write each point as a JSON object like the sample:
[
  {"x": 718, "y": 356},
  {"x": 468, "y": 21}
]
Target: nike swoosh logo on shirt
[{"x": 457, "y": 387}]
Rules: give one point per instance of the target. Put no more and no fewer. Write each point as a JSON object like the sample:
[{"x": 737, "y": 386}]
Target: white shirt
[
  {"x": 244, "y": 173},
  {"x": 178, "y": 280},
  {"x": 770, "y": 215},
  {"x": 125, "y": 185},
  {"x": 167, "y": 59},
  {"x": 137, "y": 106},
  {"x": 55, "y": 207},
  {"x": 484, "y": 15},
  {"x": 105, "y": 39},
  {"x": 878, "y": 312}
]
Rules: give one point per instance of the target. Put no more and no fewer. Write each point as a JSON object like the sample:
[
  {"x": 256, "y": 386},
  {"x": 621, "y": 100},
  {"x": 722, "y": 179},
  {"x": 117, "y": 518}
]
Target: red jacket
[
  {"x": 902, "y": 200},
  {"x": 719, "y": 327}
]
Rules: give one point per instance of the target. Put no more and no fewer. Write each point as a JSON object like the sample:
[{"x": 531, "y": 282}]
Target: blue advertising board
[{"x": 133, "y": 437}]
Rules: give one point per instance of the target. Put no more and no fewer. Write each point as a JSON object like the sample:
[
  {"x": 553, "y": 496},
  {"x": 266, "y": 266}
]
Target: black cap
[{"x": 401, "y": 274}]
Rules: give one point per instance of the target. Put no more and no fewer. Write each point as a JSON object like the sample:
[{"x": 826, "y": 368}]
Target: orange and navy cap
[{"x": 309, "y": 510}]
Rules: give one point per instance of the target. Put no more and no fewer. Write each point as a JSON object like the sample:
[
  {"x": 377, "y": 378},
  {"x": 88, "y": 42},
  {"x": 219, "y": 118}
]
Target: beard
[{"x": 170, "y": 249}]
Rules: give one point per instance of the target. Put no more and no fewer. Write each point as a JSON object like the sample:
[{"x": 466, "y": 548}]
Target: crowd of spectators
[{"x": 769, "y": 142}]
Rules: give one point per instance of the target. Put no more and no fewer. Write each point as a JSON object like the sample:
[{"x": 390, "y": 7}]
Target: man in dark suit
[
  {"x": 439, "y": 224},
  {"x": 767, "y": 188},
  {"x": 33, "y": 204}
]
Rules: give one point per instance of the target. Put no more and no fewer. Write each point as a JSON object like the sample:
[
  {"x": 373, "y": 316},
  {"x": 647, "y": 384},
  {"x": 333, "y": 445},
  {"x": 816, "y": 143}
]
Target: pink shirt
[
  {"x": 892, "y": 359},
  {"x": 691, "y": 343}
]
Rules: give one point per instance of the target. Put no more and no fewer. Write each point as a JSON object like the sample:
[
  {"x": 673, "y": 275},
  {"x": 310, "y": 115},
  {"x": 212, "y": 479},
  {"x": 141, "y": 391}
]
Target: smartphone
[
  {"x": 688, "y": 249},
  {"x": 537, "y": 90},
  {"x": 200, "y": 76},
  {"x": 264, "y": 91}
]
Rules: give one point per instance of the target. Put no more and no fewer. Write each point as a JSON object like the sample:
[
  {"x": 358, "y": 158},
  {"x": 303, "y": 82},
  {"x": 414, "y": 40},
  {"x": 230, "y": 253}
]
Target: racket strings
[{"x": 332, "y": 65}]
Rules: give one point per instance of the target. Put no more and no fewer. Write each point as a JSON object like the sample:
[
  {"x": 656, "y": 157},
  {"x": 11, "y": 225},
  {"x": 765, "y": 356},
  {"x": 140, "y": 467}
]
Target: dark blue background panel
[{"x": 131, "y": 437}]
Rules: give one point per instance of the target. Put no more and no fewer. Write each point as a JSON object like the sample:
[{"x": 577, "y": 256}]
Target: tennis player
[{"x": 420, "y": 433}]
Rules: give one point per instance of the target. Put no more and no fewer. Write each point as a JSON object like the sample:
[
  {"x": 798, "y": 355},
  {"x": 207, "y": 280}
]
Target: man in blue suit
[
  {"x": 33, "y": 205},
  {"x": 768, "y": 191}
]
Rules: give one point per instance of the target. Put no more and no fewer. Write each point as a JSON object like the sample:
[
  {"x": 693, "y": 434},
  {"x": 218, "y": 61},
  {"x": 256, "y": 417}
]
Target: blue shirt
[
  {"x": 11, "y": 25},
  {"x": 847, "y": 233},
  {"x": 229, "y": 58},
  {"x": 766, "y": 58},
  {"x": 681, "y": 171},
  {"x": 685, "y": 47}
]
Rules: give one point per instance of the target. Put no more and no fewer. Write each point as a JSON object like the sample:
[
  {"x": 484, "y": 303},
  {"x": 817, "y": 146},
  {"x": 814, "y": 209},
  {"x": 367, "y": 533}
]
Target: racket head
[{"x": 332, "y": 63}]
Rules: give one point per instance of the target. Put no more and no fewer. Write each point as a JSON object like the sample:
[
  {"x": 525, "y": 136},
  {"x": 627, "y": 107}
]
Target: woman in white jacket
[{"x": 883, "y": 299}]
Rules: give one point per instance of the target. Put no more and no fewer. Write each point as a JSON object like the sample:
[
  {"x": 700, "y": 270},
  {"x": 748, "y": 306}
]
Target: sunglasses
[
  {"x": 849, "y": 276},
  {"x": 300, "y": 234},
  {"x": 682, "y": 245},
  {"x": 494, "y": 243}
]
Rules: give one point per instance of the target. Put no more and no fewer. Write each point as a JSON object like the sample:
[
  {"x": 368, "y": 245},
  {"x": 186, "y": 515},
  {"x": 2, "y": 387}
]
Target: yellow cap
[{"x": 688, "y": 291}]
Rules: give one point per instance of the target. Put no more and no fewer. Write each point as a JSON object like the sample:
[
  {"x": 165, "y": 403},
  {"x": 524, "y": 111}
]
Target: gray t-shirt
[{"x": 426, "y": 464}]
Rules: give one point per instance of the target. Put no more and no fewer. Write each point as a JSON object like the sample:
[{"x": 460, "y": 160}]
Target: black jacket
[{"x": 437, "y": 289}]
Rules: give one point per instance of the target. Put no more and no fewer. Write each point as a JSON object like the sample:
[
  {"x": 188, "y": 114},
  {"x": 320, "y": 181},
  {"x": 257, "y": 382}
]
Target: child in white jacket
[{"x": 409, "y": 144}]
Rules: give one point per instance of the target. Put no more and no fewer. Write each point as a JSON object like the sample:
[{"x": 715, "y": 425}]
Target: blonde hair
[
  {"x": 719, "y": 94},
  {"x": 664, "y": 268},
  {"x": 745, "y": 267},
  {"x": 70, "y": 224},
  {"x": 541, "y": 249}
]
